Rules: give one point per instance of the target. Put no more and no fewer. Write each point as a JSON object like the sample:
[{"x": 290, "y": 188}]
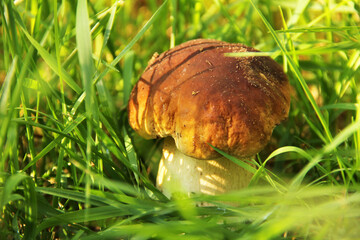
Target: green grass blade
[
  {"x": 339, "y": 139},
  {"x": 134, "y": 40},
  {"x": 299, "y": 10},
  {"x": 131, "y": 154},
  {"x": 128, "y": 75},
  {"x": 319, "y": 29},
  {"x": 56, "y": 141},
  {"x": 297, "y": 73},
  {"x": 242, "y": 164},
  {"x": 342, "y": 106},
  {"x": 52, "y": 63},
  {"x": 87, "y": 70},
  {"x": 5, "y": 88},
  {"x": 31, "y": 209},
  {"x": 342, "y": 137},
  {"x": 83, "y": 40},
  {"x": 11, "y": 184},
  {"x": 173, "y": 10},
  {"x": 15, "y": 99},
  {"x": 108, "y": 29},
  {"x": 58, "y": 60}
]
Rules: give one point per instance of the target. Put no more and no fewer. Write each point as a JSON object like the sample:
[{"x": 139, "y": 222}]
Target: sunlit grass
[{"x": 72, "y": 168}]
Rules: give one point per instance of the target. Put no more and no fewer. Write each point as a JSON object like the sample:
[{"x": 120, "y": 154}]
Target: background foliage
[{"x": 71, "y": 168}]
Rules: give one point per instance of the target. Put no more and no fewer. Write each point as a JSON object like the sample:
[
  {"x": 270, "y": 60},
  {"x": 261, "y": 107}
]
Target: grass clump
[{"x": 71, "y": 168}]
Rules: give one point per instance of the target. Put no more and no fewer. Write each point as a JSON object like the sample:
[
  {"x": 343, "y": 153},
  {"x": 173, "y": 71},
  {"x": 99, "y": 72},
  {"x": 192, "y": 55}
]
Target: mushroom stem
[{"x": 179, "y": 173}]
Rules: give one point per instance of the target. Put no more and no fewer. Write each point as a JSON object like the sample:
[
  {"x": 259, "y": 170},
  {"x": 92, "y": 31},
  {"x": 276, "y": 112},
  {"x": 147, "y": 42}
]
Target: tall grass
[{"x": 71, "y": 167}]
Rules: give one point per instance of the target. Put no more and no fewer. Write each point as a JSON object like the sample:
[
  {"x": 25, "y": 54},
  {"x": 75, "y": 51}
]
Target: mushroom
[{"x": 196, "y": 97}]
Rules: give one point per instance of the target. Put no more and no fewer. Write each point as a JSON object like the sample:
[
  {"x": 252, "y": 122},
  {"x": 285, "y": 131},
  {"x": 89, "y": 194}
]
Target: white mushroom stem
[{"x": 179, "y": 173}]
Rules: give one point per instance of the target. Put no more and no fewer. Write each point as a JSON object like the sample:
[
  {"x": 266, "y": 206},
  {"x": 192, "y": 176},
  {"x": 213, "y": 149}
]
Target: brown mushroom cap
[{"x": 199, "y": 96}]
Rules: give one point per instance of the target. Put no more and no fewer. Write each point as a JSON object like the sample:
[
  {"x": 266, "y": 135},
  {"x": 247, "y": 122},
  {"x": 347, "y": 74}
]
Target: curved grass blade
[
  {"x": 10, "y": 185},
  {"x": 134, "y": 40},
  {"x": 297, "y": 74},
  {"x": 52, "y": 63},
  {"x": 52, "y": 144},
  {"x": 304, "y": 86},
  {"x": 339, "y": 139},
  {"x": 81, "y": 216},
  {"x": 242, "y": 164}
]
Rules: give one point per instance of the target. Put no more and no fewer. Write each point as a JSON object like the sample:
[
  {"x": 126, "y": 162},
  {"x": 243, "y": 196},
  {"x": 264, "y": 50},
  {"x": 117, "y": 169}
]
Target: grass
[{"x": 71, "y": 167}]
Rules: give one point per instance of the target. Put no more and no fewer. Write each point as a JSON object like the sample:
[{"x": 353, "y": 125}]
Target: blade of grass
[
  {"x": 60, "y": 159},
  {"x": 342, "y": 106},
  {"x": 304, "y": 87},
  {"x": 339, "y": 139},
  {"x": 58, "y": 60},
  {"x": 250, "y": 54},
  {"x": 5, "y": 39},
  {"x": 357, "y": 138},
  {"x": 242, "y": 164},
  {"x": 105, "y": 100},
  {"x": 134, "y": 40},
  {"x": 108, "y": 29},
  {"x": 319, "y": 29},
  {"x": 52, "y": 63},
  {"x": 173, "y": 11},
  {"x": 83, "y": 42},
  {"x": 5, "y": 91},
  {"x": 128, "y": 75},
  {"x": 11, "y": 184},
  {"x": 131, "y": 154},
  {"x": 297, "y": 73},
  {"x": 30, "y": 209},
  {"x": 29, "y": 130},
  {"x": 81, "y": 216},
  {"x": 53, "y": 143},
  {"x": 145, "y": 180},
  {"x": 299, "y": 10},
  {"x": 314, "y": 128},
  {"x": 15, "y": 99},
  {"x": 230, "y": 18},
  {"x": 334, "y": 47},
  {"x": 323, "y": 15},
  {"x": 348, "y": 75}
]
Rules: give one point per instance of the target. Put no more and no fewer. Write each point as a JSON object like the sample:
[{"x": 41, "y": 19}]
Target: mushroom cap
[{"x": 200, "y": 97}]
